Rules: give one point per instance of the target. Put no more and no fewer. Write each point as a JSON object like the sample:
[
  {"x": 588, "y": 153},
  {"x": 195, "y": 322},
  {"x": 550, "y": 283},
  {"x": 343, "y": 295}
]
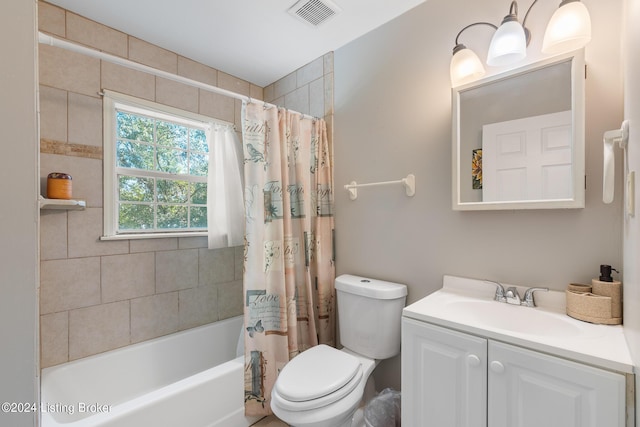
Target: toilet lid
[{"x": 315, "y": 373}]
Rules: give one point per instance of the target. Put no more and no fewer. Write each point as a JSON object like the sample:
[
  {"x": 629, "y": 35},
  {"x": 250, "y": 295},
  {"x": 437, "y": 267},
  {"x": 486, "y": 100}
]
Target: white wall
[
  {"x": 18, "y": 210},
  {"x": 632, "y": 225},
  {"x": 393, "y": 117}
]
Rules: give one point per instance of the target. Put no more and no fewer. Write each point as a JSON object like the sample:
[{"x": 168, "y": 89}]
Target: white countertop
[{"x": 467, "y": 305}]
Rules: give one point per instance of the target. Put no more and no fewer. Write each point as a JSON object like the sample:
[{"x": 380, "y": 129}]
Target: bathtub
[{"x": 192, "y": 378}]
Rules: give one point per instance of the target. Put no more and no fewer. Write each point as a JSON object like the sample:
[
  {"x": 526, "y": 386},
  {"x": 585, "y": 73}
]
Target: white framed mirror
[{"x": 518, "y": 138}]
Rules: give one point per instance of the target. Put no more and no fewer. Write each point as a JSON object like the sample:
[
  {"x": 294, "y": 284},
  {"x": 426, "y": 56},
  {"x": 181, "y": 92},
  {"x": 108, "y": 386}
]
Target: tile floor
[{"x": 270, "y": 421}]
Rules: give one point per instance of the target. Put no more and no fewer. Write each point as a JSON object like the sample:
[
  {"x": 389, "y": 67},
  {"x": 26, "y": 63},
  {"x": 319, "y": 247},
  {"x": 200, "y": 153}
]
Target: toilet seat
[{"x": 317, "y": 377}]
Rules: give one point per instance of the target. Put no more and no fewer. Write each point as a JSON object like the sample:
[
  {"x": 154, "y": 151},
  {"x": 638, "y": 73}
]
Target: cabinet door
[
  {"x": 444, "y": 377},
  {"x": 530, "y": 389}
]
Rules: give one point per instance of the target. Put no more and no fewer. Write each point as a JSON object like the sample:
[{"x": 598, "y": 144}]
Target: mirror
[{"x": 518, "y": 138}]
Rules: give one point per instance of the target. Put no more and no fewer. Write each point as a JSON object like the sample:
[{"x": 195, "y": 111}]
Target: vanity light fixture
[
  {"x": 509, "y": 42},
  {"x": 568, "y": 29},
  {"x": 465, "y": 64}
]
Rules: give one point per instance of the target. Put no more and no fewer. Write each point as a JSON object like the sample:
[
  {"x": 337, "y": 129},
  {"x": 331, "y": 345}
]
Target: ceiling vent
[{"x": 314, "y": 12}]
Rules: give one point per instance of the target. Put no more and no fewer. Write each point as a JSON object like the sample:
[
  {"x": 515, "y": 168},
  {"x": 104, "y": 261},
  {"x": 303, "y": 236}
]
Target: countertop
[{"x": 545, "y": 328}]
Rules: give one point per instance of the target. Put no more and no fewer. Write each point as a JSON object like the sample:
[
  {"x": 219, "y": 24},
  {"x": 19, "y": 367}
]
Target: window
[{"x": 156, "y": 163}]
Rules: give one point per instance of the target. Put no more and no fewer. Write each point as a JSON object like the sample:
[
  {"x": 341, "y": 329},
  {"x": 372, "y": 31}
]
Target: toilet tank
[{"x": 369, "y": 315}]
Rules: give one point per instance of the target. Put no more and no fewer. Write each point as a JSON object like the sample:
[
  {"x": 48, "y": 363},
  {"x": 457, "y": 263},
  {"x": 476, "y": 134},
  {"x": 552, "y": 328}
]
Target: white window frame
[{"x": 111, "y": 102}]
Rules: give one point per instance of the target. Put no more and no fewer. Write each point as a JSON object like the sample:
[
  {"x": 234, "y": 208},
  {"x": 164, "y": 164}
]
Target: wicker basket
[{"x": 600, "y": 303}]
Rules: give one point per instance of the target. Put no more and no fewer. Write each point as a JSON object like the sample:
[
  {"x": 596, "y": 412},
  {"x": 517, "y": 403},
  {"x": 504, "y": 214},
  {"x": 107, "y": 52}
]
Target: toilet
[{"x": 323, "y": 386}]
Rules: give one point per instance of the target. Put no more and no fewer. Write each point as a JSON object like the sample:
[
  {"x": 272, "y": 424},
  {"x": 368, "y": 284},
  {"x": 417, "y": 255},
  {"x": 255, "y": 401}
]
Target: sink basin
[{"x": 524, "y": 320}]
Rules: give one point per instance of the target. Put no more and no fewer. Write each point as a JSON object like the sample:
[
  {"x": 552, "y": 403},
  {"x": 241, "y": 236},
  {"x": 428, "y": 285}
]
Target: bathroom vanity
[{"x": 471, "y": 361}]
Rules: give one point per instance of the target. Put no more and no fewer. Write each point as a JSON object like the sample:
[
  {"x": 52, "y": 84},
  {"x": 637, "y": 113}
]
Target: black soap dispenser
[
  {"x": 607, "y": 287},
  {"x": 605, "y": 273}
]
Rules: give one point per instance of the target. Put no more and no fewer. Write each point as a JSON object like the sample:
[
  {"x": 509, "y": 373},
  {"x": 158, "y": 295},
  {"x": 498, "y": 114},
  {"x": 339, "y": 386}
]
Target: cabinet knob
[
  {"x": 496, "y": 367},
  {"x": 473, "y": 360}
]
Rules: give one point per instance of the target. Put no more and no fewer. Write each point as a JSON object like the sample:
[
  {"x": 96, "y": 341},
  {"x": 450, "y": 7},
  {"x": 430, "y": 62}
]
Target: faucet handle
[
  {"x": 528, "y": 296},
  {"x": 499, "y": 295},
  {"x": 512, "y": 296}
]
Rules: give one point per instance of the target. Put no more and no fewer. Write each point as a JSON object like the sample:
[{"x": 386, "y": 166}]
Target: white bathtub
[{"x": 188, "y": 379}]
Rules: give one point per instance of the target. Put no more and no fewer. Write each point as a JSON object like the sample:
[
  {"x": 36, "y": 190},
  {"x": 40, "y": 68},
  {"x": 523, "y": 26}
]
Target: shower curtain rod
[{"x": 56, "y": 42}]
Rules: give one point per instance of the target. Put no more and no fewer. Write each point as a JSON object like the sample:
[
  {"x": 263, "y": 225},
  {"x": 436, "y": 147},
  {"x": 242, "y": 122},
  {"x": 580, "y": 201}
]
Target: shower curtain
[
  {"x": 289, "y": 296},
  {"x": 224, "y": 190}
]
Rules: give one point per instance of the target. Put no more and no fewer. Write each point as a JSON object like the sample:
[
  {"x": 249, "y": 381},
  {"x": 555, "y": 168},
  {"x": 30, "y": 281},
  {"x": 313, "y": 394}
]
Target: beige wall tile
[
  {"x": 51, "y": 19},
  {"x": 284, "y": 85},
  {"x": 328, "y": 62},
  {"x": 126, "y": 284},
  {"x": 237, "y": 117},
  {"x": 230, "y": 299},
  {"x": 177, "y": 95},
  {"x": 234, "y": 84},
  {"x": 85, "y": 229},
  {"x": 68, "y": 70},
  {"x": 256, "y": 92},
  {"x": 269, "y": 93},
  {"x": 278, "y": 101},
  {"x": 69, "y": 283},
  {"x": 328, "y": 93},
  {"x": 127, "y": 276},
  {"x": 176, "y": 270},
  {"x": 217, "y": 106},
  {"x": 298, "y": 100},
  {"x": 329, "y": 119},
  {"x": 152, "y": 245},
  {"x": 53, "y": 113},
  {"x": 197, "y": 71},
  {"x": 93, "y": 34},
  {"x": 54, "y": 339},
  {"x": 97, "y": 329},
  {"x": 216, "y": 266},
  {"x": 198, "y": 306},
  {"x": 127, "y": 81},
  {"x": 310, "y": 72},
  {"x": 153, "y": 56},
  {"x": 154, "y": 316},
  {"x": 86, "y": 174},
  {"x": 53, "y": 234},
  {"x": 239, "y": 262},
  {"x": 192, "y": 242},
  {"x": 85, "y": 120},
  {"x": 316, "y": 98}
]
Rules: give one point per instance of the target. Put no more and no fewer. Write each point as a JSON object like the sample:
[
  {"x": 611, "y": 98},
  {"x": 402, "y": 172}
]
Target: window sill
[{"x": 141, "y": 236}]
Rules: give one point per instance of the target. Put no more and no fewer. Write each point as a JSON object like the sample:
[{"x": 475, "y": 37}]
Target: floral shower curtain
[{"x": 289, "y": 296}]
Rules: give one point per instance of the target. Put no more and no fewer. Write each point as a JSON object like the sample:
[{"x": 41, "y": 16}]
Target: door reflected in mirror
[{"x": 518, "y": 138}]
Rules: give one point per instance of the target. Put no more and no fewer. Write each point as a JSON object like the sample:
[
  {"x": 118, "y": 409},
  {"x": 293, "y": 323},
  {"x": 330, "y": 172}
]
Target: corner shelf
[{"x": 62, "y": 204}]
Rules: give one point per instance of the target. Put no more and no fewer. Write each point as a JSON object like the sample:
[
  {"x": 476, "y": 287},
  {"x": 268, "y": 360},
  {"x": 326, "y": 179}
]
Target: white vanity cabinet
[
  {"x": 444, "y": 377},
  {"x": 456, "y": 379}
]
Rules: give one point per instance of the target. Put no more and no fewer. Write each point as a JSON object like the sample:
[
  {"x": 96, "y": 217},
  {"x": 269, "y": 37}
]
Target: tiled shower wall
[
  {"x": 308, "y": 90},
  {"x": 100, "y": 295}
]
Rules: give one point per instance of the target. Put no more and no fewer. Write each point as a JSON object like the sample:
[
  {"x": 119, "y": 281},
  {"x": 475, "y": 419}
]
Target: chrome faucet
[
  {"x": 499, "y": 295},
  {"x": 511, "y": 296},
  {"x": 528, "y": 296}
]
